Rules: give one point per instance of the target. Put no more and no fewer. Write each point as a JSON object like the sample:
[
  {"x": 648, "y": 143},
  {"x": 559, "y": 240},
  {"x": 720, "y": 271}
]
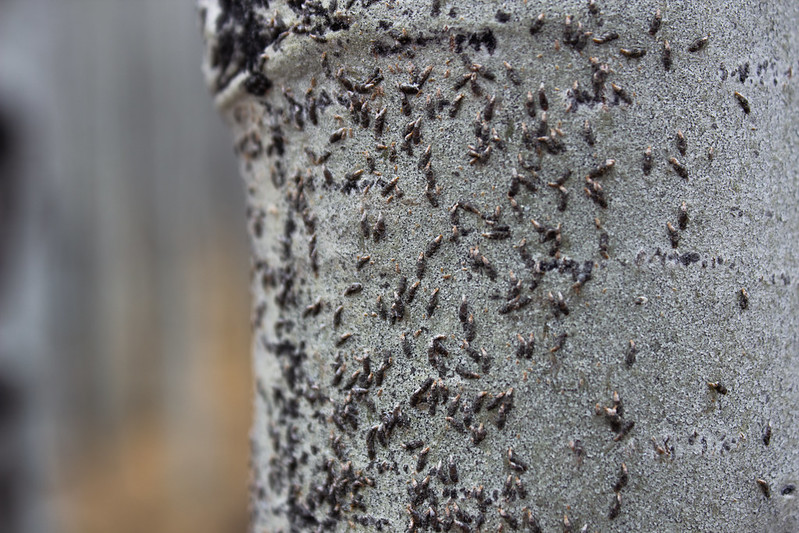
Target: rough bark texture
[{"x": 519, "y": 271}]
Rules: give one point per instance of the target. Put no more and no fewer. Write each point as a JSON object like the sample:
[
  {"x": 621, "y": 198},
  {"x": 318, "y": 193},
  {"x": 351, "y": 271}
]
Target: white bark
[{"x": 678, "y": 282}]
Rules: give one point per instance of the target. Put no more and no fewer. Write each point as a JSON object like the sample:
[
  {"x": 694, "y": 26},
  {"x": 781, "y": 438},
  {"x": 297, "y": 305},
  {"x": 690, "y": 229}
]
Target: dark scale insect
[
  {"x": 529, "y": 105},
  {"x": 433, "y": 246},
  {"x": 313, "y": 309},
  {"x": 488, "y": 110},
  {"x": 382, "y": 312},
  {"x": 425, "y": 74},
  {"x": 370, "y": 442},
  {"x": 621, "y": 93},
  {"x": 537, "y": 24},
  {"x": 417, "y": 395},
  {"x": 430, "y": 188},
  {"x": 717, "y": 386},
  {"x": 588, "y": 133},
  {"x": 674, "y": 235},
  {"x": 432, "y": 304},
  {"x": 698, "y": 44},
  {"x": 654, "y": 25},
  {"x": 564, "y": 193},
  {"x": 365, "y": 229},
  {"x": 646, "y": 166},
  {"x": 666, "y": 55},
  {"x": 406, "y": 345},
  {"x": 354, "y": 288},
  {"x": 453, "y": 406},
  {"x": 682, "y": 145},
  {"x": 365, "y": 117},
  {"x": 567, "y": 525},
  {"x": 362, "y": 261},
  {"x": 337, "y": 135},
  {"x": 430, "y": 107},
  {"x": 678, "y": 167},
  {"x": 379, "y": 230},
  {"x": 625, "y": 429},
  {"x": 456, "y": 105},
  {"x": 764, "y": 487},
  {"x": 502, "y": 414},
  {"x": 629, "y": 357},
  {"x": 767, "y": 434},
  {"x": 543, "y": 126},
  {"x": 558, "y": 304},
  {"x": 529, "y": 521},
  {"x": 477, "y": 404},
  {"x": 582, "y": 276},
  {"x": 425, "y": 157},
  {"x": 408, "y": 89},
  {"x": 397, "y": 308},
  {"x": 594, "y": 191},
  {"x": 520, "y": 490},
  {"x": 389, "y": 187},
  {"x": 602, "y": 169},
  {"x": 312, "y": 109},
  {"x": 543, "y": 103},
  {"x": 576, "y": 446},
  {"x": 465, "y": 373},
  {"x": 682, "y": 217},
  {"x": 513, "y": 76},
  {"x": 405, "y": 106},
  {"x": 432, "y": 400},
  {"x": 559, "y": 342},
  {"x": 479, "y": 433},
  {"x": 463, "y": 311},
  {"x": 515, "y": 463},
  {"x": 402, "y": 285},
  {"x": 327, "y": 175},
  {"x": 337, "y": 316},
  {"x": 420, "y": 265},
  {"x": 413, "y": 445},
  {"x": 380, "y": 122},
  {"x": 381, "y": 372},
  {"x": 744, "y": 103},
  {"x": 632, "y": 53},
  {"x": 352, "y": 381},
  {"x": 498, "y": 232},
  {"x": 508, "y": 491},
  {"x": 452, "y": 469},
  {"x": 526, "y": 347},
  {"x": 606, "y": 37},
  {"x": 507, "y": 517},
  {"x": 615, "y": 507},
  {"x": 463, "y": 81},
  {"x": 600, "y": 73},
  {"x": 339, "y": 372},
  {"x": 622, "y": 480},
  {"x": 412, "y": 292},
  {"x": 421, "y": 462}
]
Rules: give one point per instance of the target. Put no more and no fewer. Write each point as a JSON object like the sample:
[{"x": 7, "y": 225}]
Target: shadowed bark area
[{"x": 518, "y": 266}]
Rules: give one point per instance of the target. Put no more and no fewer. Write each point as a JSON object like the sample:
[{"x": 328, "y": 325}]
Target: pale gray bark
[{"x": 666, "y": 275}]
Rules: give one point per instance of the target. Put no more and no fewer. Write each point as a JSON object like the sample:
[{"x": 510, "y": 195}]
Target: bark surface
[{"x": 521, "y": 265}]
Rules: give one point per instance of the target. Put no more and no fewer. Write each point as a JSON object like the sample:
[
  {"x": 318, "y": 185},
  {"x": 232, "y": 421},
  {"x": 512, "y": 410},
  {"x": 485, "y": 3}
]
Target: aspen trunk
[{"x": 521, "y": 265}]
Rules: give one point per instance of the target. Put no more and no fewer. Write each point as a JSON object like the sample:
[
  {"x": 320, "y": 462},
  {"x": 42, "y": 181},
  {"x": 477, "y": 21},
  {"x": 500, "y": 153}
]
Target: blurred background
[{"x": 124, "y": 310}]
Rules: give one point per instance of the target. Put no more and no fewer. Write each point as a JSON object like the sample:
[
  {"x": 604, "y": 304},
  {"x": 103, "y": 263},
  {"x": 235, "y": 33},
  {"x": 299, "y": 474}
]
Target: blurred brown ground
[
  {"x": 124, "y": 312},
  {"x": 188, "y": 477}
]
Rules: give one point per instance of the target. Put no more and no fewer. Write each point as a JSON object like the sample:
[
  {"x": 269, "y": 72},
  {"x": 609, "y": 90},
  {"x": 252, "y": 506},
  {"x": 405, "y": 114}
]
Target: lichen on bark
[{"x": 518, "y": 265}]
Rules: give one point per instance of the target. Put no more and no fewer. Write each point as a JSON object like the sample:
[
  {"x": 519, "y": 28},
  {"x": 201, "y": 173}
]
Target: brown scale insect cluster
[{"x": 538, "y": 140}]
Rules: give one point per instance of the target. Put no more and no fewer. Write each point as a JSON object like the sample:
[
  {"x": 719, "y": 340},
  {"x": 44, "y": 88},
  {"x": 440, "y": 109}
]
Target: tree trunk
[{"x": 519, "y": 265}]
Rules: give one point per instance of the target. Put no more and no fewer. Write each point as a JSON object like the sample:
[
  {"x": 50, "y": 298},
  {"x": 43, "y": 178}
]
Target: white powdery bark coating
[{"x": 452, "y": 283}]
